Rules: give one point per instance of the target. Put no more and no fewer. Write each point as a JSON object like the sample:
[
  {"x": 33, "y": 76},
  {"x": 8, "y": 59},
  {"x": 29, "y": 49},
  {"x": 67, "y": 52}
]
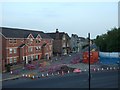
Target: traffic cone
[
  {"x": 52, "y": 74},
  {"x": 43, "y": 75},
  {"x": 23, "y": 75},
  {"x": 11, "y": 72},
  {"x": 107, "y": 68},
  {"x": 26, "y": 75},
  {"x": 47, "y": 75},
  {"x": 29, "y": 76},
  {"x": 68, "y": 71},
  {"x": 98, "y": 69},
  {"x": 110, "y": 68},
  {"x": 33, "y": 77}
]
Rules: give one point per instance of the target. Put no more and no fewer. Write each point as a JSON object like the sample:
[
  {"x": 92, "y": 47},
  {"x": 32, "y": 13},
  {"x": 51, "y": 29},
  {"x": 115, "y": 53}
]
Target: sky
[{"x": 78, "y": 18}]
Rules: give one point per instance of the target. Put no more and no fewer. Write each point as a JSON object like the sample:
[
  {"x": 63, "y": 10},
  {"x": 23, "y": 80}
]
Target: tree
[{"x": 110, "y": 41}]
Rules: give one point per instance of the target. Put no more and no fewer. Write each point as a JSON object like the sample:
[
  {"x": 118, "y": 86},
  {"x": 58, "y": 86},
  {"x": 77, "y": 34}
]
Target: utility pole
[{"x": 89, "y": 58}]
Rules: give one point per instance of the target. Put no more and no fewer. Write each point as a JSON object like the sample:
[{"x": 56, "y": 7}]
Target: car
[{"x": 77, "y": 70}]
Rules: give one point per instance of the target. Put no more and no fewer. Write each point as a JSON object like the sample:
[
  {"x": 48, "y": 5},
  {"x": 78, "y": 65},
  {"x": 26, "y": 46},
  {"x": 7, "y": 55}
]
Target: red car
[{"x": 77, "y": 70}]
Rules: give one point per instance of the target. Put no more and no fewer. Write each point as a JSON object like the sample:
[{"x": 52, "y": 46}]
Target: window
[
  {"x": 30, "y": 49},
  {"x": 36, "y": 56},
  {"x": 15, "y": 60},
  {"x": 10, "y": 50},
  {"x": 64, "y": 44},
  {"x": 64, "y": 37},
  {"x": 12, "y": 40},
  {"x": 36, "y": 48},
  {"x": 15, "y": 50},
  {"x": 37, "y": 41},
  {"x": 39, "y": 48},
  {"x": 10, "y": 60},
  {"x": 31, "y": 57},
  {"x": 29, "y": 41}
]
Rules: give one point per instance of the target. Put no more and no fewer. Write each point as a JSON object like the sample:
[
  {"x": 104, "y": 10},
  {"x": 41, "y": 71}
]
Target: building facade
[
  {"x": 77, "y": 43},
  {"x": 61, "y": 42},
  {"x": 20, "y": 45},
  {"x": 74, "y": 43}
]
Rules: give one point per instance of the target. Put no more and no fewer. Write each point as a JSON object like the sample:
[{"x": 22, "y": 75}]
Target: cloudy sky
[{"x": 71, "y": 17}]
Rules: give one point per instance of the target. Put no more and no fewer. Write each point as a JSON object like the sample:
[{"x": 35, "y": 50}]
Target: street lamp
[{"x": 89, "y": 58}]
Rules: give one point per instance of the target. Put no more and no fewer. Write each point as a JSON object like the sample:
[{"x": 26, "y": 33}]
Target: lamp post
[{"x": 89, "y": 58}]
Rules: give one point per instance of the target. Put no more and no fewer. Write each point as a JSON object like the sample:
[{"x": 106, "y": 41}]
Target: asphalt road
[{"x": 107, "y": 79}]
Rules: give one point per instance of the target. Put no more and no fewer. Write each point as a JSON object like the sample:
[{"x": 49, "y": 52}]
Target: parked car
[{"x": 77, "y": 70}]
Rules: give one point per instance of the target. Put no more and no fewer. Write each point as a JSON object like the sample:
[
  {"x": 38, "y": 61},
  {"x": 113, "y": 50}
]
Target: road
[{"x": 107, "y": 79}]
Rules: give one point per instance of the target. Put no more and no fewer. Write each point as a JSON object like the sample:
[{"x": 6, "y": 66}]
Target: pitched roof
[
  {"x": 53, "y": 35},
  {"x": 22, "y": 33}
]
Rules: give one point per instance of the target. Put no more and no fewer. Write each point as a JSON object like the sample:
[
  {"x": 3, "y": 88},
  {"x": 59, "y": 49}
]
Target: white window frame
[
  {"x": 36, "y": 56},
  {"x": 15, "y": 50},
  {"x": 10, "y": 51},
  {"x": 10, "y": 60},
  {"x": 15, "y": 60}
]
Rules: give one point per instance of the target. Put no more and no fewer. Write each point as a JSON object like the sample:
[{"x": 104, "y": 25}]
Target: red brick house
[
  {"x": 20, "y": 45},
  {"x": 61, "y": 42}
]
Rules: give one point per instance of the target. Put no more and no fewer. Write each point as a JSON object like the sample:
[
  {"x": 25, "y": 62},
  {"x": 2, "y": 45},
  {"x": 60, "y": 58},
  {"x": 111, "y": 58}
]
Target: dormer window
[{"x": 38, "y": 41}]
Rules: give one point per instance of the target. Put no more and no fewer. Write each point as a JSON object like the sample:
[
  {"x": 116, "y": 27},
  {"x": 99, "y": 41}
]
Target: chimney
[{"x": 57, "y": 34}]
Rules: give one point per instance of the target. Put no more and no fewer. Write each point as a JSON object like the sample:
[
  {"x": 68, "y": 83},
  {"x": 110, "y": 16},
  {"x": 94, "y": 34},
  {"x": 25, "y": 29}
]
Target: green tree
[{"x": 110, "y": 41}]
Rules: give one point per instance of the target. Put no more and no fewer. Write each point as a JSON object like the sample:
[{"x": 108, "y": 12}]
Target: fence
[{"x": 109, "y": 57}]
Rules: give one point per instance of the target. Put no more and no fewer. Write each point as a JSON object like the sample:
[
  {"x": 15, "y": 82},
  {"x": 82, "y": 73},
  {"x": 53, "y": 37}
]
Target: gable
[{"x": 30, "y": 36}]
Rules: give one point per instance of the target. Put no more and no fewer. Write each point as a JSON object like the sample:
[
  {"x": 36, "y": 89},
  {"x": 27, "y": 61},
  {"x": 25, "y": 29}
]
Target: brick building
[
  {"x": 20, "y": 45},
  {"x": 61, "y": 42}
]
